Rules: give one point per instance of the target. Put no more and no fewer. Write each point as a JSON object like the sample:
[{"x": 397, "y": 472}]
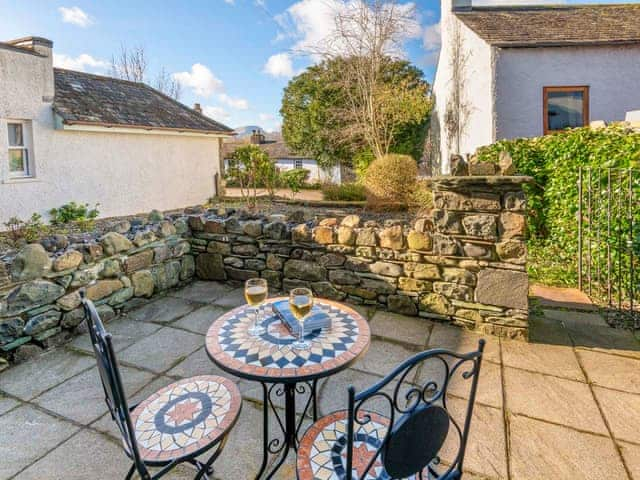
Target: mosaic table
[{"x": 283, "y": 371}]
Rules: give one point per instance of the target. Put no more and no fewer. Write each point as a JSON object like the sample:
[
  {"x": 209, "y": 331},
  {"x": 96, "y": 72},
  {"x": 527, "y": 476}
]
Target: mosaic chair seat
[
  {"x": 396, "y": 429},
  {"x": 174, "y": 425}
]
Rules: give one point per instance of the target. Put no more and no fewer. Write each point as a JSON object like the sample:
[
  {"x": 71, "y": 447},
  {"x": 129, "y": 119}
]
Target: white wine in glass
[
  {"x": 255, "y": 293},
  {"x": 301, "y": 302}
]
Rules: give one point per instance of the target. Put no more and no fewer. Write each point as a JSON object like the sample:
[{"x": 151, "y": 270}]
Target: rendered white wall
[
  {"x": 478, "y": 88},
  {"x": 316, "y": 174},
  {"x": 612, "y": 74},
  {"x": 126, "y": 173}
]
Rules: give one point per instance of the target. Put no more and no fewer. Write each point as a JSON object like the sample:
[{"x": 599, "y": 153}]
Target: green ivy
[{"x": 554, "y": 162}]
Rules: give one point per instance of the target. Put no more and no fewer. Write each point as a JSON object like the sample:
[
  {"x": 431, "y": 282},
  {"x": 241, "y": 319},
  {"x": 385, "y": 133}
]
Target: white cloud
[
  {"x": 431, "y": 41},
  {"x": 239, "y": 103},
  {"x": 311, "y": 23},
  {"x": 431, "y": 37},
  {"x": 83, "y": 62},
  {"x": 75, "y": 16},
  {"x": 230, "y": 2},
  {"x": 217, "y": 113},
  {"x": 279, "y": 65},
  {"x": 266, "y": 117},
  {"x": 201, "y": 80}
]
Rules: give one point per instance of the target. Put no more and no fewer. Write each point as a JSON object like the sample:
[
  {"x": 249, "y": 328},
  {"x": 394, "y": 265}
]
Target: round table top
[{"x": 270, "y": 357}]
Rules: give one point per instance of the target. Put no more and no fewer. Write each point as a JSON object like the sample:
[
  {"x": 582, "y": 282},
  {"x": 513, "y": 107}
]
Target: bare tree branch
[
  {"x": 366, "y": 35},
  {"x": 131, "y": 64},
  {"x": 168, "y": 85}
]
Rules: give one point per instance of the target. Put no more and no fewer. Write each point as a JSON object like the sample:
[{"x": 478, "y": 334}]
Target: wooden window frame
[
  {"x": 545, "y": 104},
  {"x": 25, "y": 148}
]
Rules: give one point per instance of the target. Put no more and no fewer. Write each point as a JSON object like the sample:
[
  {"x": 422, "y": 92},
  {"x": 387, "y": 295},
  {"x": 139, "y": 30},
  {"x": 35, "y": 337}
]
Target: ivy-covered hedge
[{"x": 554, "y": 162}]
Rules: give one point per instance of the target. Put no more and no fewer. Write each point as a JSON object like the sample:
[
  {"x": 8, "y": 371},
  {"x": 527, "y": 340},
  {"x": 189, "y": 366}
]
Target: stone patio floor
[{"x": 564, "y": 406}]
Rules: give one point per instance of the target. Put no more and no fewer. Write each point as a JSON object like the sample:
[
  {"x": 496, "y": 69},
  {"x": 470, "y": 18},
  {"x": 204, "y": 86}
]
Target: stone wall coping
[{"x": 473, "y": 180}]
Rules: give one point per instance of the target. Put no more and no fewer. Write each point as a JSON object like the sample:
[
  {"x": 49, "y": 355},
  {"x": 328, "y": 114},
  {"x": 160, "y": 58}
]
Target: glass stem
[
  {"x": 301, "y": 331},
  {"x": 255, "y": 318}
]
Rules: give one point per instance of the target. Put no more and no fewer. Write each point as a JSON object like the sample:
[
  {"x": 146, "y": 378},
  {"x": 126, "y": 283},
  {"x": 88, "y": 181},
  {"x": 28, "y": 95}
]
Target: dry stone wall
[
  {"x": 40, "y": 284},
  {"x": 465, "y": 263}
]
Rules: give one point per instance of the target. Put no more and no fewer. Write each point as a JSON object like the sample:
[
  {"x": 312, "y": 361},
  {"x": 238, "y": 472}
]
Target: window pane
[
  {"x": 565, "y": 109},
  {"x": 18, "y": 161},
  {"x": 15, "y": 135}
]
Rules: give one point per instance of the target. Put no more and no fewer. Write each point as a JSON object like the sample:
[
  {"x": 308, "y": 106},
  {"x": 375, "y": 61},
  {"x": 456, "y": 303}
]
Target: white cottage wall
[
  {"x": 126, "y": 173},
  {"x": 612, "y": 74}
]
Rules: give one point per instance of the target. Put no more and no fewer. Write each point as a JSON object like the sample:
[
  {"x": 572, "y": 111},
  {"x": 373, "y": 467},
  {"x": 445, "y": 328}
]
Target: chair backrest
[
  {"x": 419, "y": 419},
  {"x": 115, "y": 396}
]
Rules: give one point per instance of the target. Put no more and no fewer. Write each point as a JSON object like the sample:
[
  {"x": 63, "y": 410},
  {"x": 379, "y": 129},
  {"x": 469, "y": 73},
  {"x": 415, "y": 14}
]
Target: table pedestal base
[{"x": 289, "y": 427}]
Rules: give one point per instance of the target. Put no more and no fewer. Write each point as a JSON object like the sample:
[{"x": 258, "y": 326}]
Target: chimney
[
  {"x": 257, "y": 137},
  {"x": 197, "y": 108},
  {"x": 37, "y": 44}
]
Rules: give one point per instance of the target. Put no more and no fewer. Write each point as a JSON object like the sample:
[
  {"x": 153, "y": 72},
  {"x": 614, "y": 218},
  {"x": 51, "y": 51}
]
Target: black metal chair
[
  {"x": 404, "y": 436},
  {"x": 174, "y": 425}
]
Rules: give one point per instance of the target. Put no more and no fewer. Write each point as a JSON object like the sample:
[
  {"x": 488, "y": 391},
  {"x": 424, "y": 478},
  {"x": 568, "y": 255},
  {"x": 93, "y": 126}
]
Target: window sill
[{"x": 21, "y": 180}]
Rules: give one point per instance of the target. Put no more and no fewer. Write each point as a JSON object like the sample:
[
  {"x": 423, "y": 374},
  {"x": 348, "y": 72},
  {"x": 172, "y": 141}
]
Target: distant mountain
[{"x": 247, "y": 130}]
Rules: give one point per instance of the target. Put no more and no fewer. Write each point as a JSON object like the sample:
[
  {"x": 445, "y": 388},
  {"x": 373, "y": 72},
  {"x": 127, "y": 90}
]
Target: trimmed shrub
[
  {"x": 390, "y": 180},
  {"x": 346, "y": 192}
]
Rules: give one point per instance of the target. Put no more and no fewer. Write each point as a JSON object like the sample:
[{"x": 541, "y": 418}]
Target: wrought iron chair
[
  {"x": 174, "y": 425},
  {"x": 404, "y": 436}
]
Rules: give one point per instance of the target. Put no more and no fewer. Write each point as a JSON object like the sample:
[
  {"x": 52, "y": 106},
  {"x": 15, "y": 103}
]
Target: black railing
[{"x": 609, "y": 241}]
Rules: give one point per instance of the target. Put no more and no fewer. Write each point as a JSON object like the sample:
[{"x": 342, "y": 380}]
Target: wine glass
[
  {"x": 255, "y": 293},
  {"x": 301, "y": 301}
]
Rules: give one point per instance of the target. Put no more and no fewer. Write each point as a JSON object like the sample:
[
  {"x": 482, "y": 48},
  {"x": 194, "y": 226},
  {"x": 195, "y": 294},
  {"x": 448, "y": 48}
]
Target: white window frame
[
  {"x": 296, "y": 162},
  {"x": 26, "y": 147}
]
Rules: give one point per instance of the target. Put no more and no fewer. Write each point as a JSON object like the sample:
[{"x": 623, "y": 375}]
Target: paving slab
[
  {"x": 401, "y": 328},
  {"x": 81, "y": 398},
  {"x": 558, "y": 297},
  {"x": 548, "y": 331},
  {"x": 382, "y": 357},
  {"x": 611, "y": 371},
  {"x": 164, "y": 310},
  {"x": 33, "y": 377},
  {"x": 202, "y": 292},
  {"x": 554, "y": 360},
  {"x": 605, "y": 339},
  {"x": 7, "y": 403},
  {"x": 199, "y": 321},
  {"x": 463, "y": 341},
  {"x": 76, "y": 458},
  {"x": 125, "y": 333},
  {"x": 631, "y": 455},
  {"x": 243, "y": 453},
  {"x": 486, "y": 452},
  {"x": 622, "y": 411},
  {"x": 162, "y": 350},
  {"x": 489, "y": 390},
  {"x": 575, "y": 318},
  {"x": 27, "y": 435},
  {"x": 333, "y": 392},
  {"x": 553, "y": 399},
  {"x": 199, "y": 363},
  {"x": 544, "y": 450},
  {"x": 231, "y": 299}
]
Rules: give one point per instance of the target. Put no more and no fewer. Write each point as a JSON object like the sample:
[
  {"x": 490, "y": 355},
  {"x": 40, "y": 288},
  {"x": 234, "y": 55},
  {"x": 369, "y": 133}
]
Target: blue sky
[{"x": 234, "y": 57}]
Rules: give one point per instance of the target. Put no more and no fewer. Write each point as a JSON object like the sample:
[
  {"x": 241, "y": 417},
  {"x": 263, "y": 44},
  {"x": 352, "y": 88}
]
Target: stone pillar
[{"x": 480, "y": 225}]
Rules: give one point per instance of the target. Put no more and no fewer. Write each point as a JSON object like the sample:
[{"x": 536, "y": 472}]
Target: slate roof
[
  {"x": 538, "y": 26},
  {"x": 87, "y": 99},
  {"x": 276, "y": 149}
]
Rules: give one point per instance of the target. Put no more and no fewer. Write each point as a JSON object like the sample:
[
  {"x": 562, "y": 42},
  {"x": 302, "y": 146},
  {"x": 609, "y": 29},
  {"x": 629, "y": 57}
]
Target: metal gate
[{"x": 609, "y": 241}]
